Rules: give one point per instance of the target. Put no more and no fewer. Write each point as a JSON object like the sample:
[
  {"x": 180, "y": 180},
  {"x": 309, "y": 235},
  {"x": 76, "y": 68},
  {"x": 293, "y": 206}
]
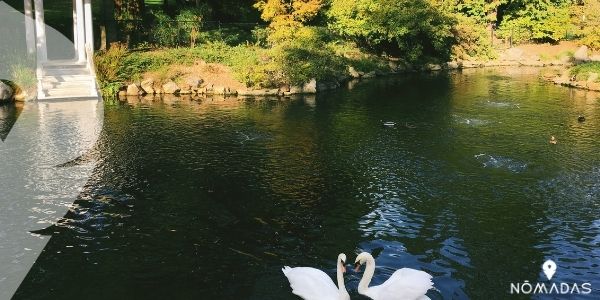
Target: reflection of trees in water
[{"x": 505, "y": 212}]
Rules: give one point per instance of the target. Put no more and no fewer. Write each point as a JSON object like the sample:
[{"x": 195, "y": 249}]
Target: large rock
[
  {"x": 310, "y": 87},
  {"x": 191, "y": 85},
  {"x": 581, "y": 54},
  {"x": 170, "y": 88},
  {"x": 453, "y": 65},
  {"x": 22, "y": 96},
  {"x": 194, "y": 83},
  {"x": 135, "y": 90},
  {"x": 433, "y": 67},
  {"x": 353, "y": 73},
  {"x": 148, "y": 86},
  {"x": 6, "y": 92}
]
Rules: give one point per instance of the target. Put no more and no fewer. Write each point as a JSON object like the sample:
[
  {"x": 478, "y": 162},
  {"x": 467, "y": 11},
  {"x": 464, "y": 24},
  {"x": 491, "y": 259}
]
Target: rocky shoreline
[
  {"x": 197, "y": 86},
  {"x": 564, "y": 79},
  {"x": 590, "y": 83},
  {"x": 7, "y": 93},
  {"x": 512, "y": 57}
]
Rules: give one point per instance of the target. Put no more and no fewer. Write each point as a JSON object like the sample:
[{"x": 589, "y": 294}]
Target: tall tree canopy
[
  {"x": 413, "y": 29},
  {"x": 286, "y": 16},
  {"x": 543, "y": 20}
]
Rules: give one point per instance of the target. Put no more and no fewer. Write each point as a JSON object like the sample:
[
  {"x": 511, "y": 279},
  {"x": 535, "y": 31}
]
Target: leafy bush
[
  {"x": 108, "y": 63},
  {"x": 586, "y": 17},
  {"x": 189, "y": 23},
  {"x": 592, "y": 38},
  {"x": 164, "y": 31},
  {"x": 307, "y": 56},
  {"x": 541, "y": 21},
  {"x": 472, "y": 40},
  {"x": 412, "y": 29},
  {"x": 286, "y": 17},
  {"x": 230, "y": 35},
  {"x": 260, "y": 36}
]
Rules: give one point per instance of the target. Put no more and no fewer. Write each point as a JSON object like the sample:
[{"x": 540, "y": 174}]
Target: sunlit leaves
[{"x": 285, "y": 17}]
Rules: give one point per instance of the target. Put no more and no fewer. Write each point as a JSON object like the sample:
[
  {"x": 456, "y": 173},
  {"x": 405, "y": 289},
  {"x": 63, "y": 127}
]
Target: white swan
[
  {"x": 313, "y": 284},
  {"x": 404, "y": 284}
]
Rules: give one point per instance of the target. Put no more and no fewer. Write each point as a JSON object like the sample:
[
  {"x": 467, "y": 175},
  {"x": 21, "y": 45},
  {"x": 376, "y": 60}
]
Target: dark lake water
[{"x": 209, "y": 199}]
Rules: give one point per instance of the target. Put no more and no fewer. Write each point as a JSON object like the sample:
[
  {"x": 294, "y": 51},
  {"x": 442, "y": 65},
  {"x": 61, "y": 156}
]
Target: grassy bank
[
  {"x": 252, "y": 65},
  {"x": 582, "y": 72}
]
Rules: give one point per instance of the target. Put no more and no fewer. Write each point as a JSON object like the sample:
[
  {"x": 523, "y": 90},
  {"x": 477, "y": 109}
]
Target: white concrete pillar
[
  {"x": 80, "y": 30},
  {"x": 29, "y": 26},
  {"x": 89, "y": 24},
  {"x": 75, "y": 29},
  {"x": 40, "y": 32}
]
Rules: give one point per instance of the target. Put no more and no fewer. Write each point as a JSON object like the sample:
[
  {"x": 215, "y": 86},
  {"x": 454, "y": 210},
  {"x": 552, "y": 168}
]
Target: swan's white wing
[
  {"x": 404, "y": 284},
  {"x": 310, "y": 283}
]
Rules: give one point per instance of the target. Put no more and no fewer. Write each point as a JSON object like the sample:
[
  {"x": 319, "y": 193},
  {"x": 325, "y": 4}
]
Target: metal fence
[
  {"x": 515, "y": 36},
  {"x": 140, "y": 32}
]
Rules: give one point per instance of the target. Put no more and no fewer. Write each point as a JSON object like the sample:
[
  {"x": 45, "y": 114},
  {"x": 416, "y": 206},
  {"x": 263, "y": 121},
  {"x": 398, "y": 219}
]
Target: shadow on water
[
  {"x": 9, "y": 113},
  {"x": 209, "y": 198}
]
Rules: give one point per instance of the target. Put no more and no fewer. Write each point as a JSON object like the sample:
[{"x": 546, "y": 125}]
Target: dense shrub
[
  {"x": 230, "y": 35},
  {"x": 541, "y": 21},
  {"x": 108, "y": 63},
  {"x": 472, "y": 40},
  {"x": 586, "y": 18},
  {"x": 183, "y": 30},
  {"x": 189, "y": 24},
  {"x": 591, "y": 38},
  {"x": 412, "y": 29},
  {"x": 164, "y": 31}
]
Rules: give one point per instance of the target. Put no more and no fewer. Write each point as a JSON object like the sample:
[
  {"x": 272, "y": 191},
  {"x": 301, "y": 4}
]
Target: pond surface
[{"x": 208, "y": 200}]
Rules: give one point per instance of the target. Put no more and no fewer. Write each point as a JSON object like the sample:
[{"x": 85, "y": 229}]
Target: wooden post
[
  {"x": 89, "y": 24},
  {"x": 29, "y": 26},
  {"x": 103, "y": 45},
  {"x": 40, "y": 32},
  {"x": 80, "y": 30},
  {"x": 75, "y": 29}
]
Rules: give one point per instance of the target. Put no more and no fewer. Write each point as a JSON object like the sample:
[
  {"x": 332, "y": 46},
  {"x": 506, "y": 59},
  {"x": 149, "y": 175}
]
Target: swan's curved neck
[
  {"x": 363, "y": 285},
  {"x": 340, "y": 277}
]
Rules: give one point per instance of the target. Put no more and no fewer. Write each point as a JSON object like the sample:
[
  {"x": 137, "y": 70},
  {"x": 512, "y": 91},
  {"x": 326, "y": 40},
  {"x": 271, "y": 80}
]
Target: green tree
[
  {"x": 475, "y": 22},
  {"x": 538, "y": 20},
  {"x": 585, "y": 16},
  {"x": 285, "y": 17},
  {"x": 481, "y": 11},
  {"x": 128, "y": 14},
  {"x": 412, "y": 29}
]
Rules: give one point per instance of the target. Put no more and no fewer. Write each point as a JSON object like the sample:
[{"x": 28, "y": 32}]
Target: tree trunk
[
  {"x": 129, "y": 13},
  {"x": 108, "y": 25},
  {"x": 103, "y": 41}
]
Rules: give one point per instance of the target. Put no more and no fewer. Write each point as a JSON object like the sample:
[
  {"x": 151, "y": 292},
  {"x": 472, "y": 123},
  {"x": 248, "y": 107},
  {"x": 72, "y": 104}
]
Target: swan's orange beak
[
  {"x": 343, "y": 269},
  {"x": 357, "y": 267}
]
